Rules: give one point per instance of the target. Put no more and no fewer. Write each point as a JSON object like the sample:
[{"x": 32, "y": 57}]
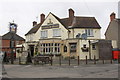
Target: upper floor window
[
  {"x": 44, "y": 34},
  {"x": 89, "y": 32},
  {"x": 56, "y": 33},
  {"x": 29, "y": 37}
]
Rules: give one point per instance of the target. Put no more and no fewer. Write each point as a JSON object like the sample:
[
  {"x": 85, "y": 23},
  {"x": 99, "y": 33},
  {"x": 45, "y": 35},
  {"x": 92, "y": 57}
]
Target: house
[
  {"x": 6, "y": 38},
  {"x": 112, "y": 32},
  {"x": 72, "y": 36}
]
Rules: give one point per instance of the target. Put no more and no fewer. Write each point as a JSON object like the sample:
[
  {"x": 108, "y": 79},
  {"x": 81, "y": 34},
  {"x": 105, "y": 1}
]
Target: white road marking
[{"x": 28, "y": 66}]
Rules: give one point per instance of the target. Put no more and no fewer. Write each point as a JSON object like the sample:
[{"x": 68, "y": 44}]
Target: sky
[{"x": 24, "y": 12}]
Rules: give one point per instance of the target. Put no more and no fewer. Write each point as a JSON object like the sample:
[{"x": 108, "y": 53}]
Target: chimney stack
[
  {"x": 42, "y": 17},
  {"x": 71, "y": 16},
  {"x": 34, "y": 23},
  {"x": 112, "y": 16}
]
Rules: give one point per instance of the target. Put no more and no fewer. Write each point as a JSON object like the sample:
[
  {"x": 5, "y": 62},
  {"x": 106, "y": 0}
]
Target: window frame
[
  {"x": 65, "y": 48},
  {"x": 93, "y": 47},
  {"x": 73, "y": 47},
  {"x": 84, "y": 46},
  {"x": 57, "y": 32},
  {"x": 44, "y": 34},
  {"x": 89, "y": 32}
]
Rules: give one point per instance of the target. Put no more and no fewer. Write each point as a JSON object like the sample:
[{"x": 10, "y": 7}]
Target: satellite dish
[
  {"x": 84, "y": 36},
  {"x": 78, "y": 35}
]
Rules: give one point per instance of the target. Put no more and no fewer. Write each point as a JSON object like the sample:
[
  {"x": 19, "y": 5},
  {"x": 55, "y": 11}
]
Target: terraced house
[{"x": 71, "y": 36}]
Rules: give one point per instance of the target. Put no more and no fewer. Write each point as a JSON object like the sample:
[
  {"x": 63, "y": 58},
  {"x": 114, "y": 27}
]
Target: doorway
[{"x": 31, "y": 50}]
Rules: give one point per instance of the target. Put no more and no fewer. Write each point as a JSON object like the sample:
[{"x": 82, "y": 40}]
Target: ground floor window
[
  {"x": 49, "y": 48},
  {"x": 73, "y": 47},
  {"x": 84, "y": 48},
  {"x": 65, "y": 48},
  {"x": 93, "y": 46}
]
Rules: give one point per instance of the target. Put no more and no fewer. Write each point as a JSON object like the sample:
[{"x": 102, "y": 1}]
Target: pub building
[{"x": 72, "y": 36}]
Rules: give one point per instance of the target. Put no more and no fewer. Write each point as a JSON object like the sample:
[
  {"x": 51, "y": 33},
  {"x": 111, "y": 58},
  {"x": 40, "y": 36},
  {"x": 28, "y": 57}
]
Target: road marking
[
  {"x": 75, "y": 66},
  {"x": 28, "y": 66}
]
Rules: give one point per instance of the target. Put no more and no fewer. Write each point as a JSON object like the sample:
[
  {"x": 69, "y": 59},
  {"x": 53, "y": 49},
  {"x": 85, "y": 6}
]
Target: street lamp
[{"x": 13, "y": 30}]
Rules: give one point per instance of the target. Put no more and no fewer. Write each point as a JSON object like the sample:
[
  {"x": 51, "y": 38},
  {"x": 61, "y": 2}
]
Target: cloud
[{"x": 24, "y": 12}]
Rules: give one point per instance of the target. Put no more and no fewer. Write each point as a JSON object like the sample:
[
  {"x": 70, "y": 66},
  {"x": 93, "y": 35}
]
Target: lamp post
[{"x": 13, "y": 29}]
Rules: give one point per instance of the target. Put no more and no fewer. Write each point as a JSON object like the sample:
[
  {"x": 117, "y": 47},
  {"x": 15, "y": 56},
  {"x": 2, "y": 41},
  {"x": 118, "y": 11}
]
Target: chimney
[
  {"x": 42, "y": 17},
  {"x": 71, "y": 16},
  {"x": 112, "y": 16},
  {"x": 34, "y": 23}
]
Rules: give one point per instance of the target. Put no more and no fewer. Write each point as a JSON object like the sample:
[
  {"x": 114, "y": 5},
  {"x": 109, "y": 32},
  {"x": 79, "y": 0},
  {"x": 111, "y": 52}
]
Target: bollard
[
  {"x": 69, "y": 60},
  {"x": 26, "y": 62},
  {"x": 60, "y": 60},
  {"x": 19, "y": 60},
  {"x": 78, "y": 61},
  {"x": 86, "y": 60},
  {"x": 94, "y": 59},
  {"x": 103, "y": 61},
  {"x": 51, "y": 61},
  {"x": 111, "y": 61}
]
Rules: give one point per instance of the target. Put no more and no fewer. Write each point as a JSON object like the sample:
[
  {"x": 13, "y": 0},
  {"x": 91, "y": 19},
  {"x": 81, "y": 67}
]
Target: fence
[{"x": 59, "y": 61}]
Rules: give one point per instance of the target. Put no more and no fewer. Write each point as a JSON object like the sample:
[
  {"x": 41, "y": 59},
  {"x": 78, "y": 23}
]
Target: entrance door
[{"x": 32, "y": 50}]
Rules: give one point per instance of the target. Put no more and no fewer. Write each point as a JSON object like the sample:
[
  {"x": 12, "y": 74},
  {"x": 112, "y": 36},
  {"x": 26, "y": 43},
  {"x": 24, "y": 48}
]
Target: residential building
[
  {"x": 6, "y": 38},
  {"x": 112, "y": 32},
  {"x": 72, "y": 36}
]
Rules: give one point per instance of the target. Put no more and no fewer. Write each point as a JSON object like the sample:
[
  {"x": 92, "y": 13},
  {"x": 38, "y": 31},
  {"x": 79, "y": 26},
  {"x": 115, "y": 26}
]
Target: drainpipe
[
  {"x": 68, "y": 34},
  {"x": 73, "y": 32},
  {"x": 78, "y": 48}
]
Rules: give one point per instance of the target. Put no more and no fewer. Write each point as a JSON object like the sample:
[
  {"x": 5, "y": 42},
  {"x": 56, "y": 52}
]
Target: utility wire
[{"x": 87, "y": 7}]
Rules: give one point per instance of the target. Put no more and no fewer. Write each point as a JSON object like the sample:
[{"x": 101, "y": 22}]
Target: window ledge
[
  {"x": 44, "y": 37},
  {"x": 56, "y": 36},
  {"x": 90, "y": 36}
]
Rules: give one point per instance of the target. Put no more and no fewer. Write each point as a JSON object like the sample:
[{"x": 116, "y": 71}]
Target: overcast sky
[{"x": 24, "y": 12}]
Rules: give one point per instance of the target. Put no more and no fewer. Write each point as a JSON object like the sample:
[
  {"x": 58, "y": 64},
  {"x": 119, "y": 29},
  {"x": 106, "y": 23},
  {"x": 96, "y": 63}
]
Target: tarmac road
[{"x": 47, "y": 71}]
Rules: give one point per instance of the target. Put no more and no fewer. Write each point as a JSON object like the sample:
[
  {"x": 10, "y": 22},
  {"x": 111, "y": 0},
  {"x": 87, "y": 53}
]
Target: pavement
[{"x": 63, "y": 71}]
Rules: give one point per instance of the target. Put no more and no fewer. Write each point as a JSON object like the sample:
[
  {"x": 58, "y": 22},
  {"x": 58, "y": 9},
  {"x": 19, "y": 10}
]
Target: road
[{"x": 47, "y": 71}]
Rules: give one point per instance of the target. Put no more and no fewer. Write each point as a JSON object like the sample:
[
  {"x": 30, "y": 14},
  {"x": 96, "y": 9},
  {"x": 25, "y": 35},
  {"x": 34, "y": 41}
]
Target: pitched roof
[
  {"x": 81, "y": 22},
  {"x": 62, "y": 21},
  {"x": 78, "y": 22},
  {"x": 34, "y": 29},
  {"x": 8, "y": 36},
  {"x": 117, "y": 22}
]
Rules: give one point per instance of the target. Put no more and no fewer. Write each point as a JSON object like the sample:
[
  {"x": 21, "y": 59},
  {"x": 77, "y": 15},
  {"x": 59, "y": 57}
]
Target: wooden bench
[{"x": 45, "y": 59}]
